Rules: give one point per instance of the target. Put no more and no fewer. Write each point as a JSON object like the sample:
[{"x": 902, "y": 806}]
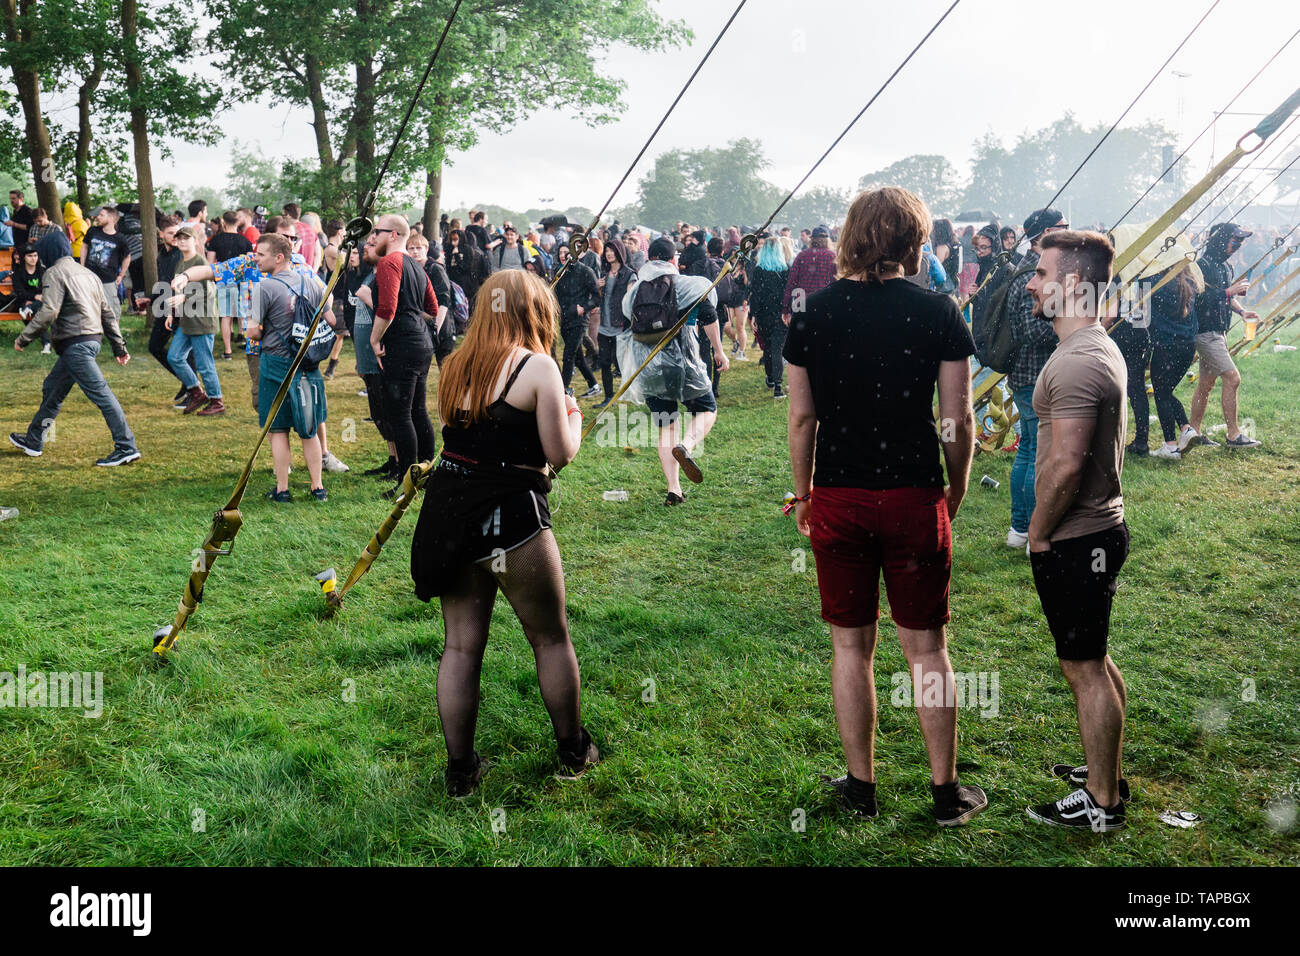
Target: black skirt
[{"x": 473, "y": 511}]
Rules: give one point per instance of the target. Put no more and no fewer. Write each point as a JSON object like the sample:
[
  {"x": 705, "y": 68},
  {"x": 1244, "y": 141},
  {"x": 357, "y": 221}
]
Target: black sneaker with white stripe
[
  {"x": 119, "y": 457},
  {"x": 955, "y": 804},
  {"x": 1079, "y": 811},
  {"x": 22, "y": 444},
  {"x": 1078, "y": 777}
]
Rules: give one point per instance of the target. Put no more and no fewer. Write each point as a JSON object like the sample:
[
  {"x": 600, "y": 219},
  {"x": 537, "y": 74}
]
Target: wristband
[
  {"x": 791, "y": 500},
  {"x": 575, "y": 409}
]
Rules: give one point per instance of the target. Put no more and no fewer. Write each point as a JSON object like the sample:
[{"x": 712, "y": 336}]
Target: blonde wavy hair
[{"x": 884, "y": 230}]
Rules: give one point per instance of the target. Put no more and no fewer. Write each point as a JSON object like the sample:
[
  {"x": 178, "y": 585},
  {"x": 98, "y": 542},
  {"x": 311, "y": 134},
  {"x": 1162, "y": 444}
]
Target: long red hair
[{"x": 514, "y": 309}]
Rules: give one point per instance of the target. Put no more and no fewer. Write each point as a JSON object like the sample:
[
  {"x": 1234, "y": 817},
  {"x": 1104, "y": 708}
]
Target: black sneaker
[
  {"x": 955, "y": 804},
  {"x": 863, "y": 806},
  {"x": 1242, "y": 441},
  {"x": 279, "y": 497},
  {"x": 320, "y": 494},
  {"x": 1205, "y": 441},
  {"x": 23, "y": 445},
  {"x": 592, "y": 392},
  {"x": 1078, "y": 777},
  {"x": 1134, "y": 450},
  {"x": 118, "y": 457},
  {"x": 392, "y": 492},
  {"x": 778, "y": 392},
  {"x": 573, "y": 764},
  {"x": 381, "y": 470},
  {"x": 674, "y": 499},
  {"x": 1079, "y": 811},
  {"x": 180, "y": 395},
  {"x": 460, "y": 783}
]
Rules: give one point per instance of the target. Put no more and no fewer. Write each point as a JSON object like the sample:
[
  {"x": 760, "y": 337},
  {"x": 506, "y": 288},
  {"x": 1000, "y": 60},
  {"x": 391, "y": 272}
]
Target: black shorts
[
  {"x": 1076, "y": 582},
  {"x": 517, "y": 518},
  {"x": 665, "y": 409}
]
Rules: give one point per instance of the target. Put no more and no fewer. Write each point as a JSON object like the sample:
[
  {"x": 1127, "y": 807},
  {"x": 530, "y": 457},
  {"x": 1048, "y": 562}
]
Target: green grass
[{"x": 250, "y": 725}]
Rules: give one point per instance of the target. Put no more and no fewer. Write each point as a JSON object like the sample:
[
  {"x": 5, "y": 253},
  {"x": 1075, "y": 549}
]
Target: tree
[
  {"x": 821, "y": 205},
  {"x": 354, "y": 63},
  {"x": 711, "y": 187},
  {"x": 930, "y": 176},
  {"x": 24, "y": 51}
]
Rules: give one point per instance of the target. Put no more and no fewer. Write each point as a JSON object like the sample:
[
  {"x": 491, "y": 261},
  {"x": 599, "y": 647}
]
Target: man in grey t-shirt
[{"x": 511, "y": 253}]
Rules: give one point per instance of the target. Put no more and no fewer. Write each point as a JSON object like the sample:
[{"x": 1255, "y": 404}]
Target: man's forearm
[
  {"x": 715, "y": 339},
  {"x": 957, "y": 454},
  {"x": 802, "y": 437},
  {"x": 1056, "y": 487}
]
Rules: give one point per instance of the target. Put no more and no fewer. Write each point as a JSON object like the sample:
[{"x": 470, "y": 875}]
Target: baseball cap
[
  {"x": 821, "y": 232},
  {"x": 1040, "y": 220}
]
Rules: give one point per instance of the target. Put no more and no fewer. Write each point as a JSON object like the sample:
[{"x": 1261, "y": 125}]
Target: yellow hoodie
[{"x": 73, "y": 219}]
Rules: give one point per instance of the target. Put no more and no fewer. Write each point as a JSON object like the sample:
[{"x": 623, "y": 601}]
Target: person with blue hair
[
  {"x": 78, "y": 316},
  {"x": 767, "y": 286}
]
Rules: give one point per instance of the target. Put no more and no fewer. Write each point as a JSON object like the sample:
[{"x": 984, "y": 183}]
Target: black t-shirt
[
  {"x": 872, "y": 353},
  {"x": 25, "y": 218},
  {"x": 105, "y": 252},
  {"x": 228, "y": 245}
]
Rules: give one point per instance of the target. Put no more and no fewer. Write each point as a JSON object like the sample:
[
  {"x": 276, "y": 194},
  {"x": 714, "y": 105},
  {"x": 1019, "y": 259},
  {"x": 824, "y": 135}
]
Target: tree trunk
[
  {"x": 38, "y": 136},
  {"x": 83, "y": 131},
  {"x": 140, "y": 138},
  {"x": 331, "y": 190},
  {"x": 433, "y": 180},
  {"x": 365, "y": 113}
]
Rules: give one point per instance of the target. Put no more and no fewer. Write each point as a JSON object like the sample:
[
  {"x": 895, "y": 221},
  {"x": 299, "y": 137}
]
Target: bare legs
[
  {"x": 1100, "y": 698},
  {"x": 281, "y": 458},
  {"x": 699, "y": 428}
]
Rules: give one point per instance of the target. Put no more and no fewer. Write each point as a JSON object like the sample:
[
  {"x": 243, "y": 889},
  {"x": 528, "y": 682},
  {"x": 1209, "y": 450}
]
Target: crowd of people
[{"x": 859, "y": 326}]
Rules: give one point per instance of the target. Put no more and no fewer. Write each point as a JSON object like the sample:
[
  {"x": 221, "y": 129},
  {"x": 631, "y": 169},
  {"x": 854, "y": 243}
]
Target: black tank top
[{"x": 508, "y": 435}]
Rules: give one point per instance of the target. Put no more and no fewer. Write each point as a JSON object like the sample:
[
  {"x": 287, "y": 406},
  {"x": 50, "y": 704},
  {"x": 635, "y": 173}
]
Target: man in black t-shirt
[
  {"x": 22, "y": 221},
  {"x": 227, "y": 244},
  {"x": 106, "y": 253}
]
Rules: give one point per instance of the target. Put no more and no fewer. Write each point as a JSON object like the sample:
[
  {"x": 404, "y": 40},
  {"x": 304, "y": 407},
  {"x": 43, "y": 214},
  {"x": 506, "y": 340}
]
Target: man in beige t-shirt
[{"x": 1077, "y": 537}]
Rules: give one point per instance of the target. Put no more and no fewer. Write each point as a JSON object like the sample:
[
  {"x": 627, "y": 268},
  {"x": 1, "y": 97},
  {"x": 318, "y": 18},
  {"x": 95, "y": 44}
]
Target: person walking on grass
[
  {"x": 657, "y": 297},
  {"x": 865, "y": 357},
  {"x": 199, "y": 322},
  {"x": 1078, "y": 540},
  {"x": 1214, "y": 310},
  {"x": 78, "y": 316},
  {"x": 485, "y": 523}
]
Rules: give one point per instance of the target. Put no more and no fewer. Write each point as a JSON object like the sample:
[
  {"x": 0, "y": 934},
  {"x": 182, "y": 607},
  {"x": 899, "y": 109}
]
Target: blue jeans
[
  {"x": 77, "y": 366},
  {"x": 200, "y": 346},
  {"x": 1022, "y": 469}
]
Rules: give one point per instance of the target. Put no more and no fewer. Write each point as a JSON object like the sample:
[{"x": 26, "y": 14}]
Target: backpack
[
  {"x": 995, "y": 344},
  {"x": 654, "y": 309},
  {"x": 322, "y": 343},
  {"x": 459, "y": 308}
]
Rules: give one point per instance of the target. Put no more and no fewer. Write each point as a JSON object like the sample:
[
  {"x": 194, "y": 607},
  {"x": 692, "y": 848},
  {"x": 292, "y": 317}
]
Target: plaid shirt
[
  {"x": 812, "y": 271},
  {"x": 1035, "y": 338}
]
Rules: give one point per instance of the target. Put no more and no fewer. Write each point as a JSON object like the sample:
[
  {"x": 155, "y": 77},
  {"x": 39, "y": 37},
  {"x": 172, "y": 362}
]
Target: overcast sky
[{"x": 792, "y": 72}]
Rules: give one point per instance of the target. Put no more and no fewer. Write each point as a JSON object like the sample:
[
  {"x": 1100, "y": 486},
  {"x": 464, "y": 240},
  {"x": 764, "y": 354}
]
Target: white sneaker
[
  {"x": 1017, "y": 539},
  {"x": 1164, "y": 451},
  {"x": 1188, "y": 437},
  {"x": 46, "y": 349},
  {"x": 332, "y": 464}
]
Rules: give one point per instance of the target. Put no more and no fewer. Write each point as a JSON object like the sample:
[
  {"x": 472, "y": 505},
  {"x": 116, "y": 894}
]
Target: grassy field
[{"x": 247, "y": 750}]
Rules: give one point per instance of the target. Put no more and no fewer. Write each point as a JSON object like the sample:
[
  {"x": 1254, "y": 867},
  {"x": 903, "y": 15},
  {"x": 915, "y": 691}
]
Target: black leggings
[
  {"x": 405, "y": 376},
  {"x": 772, "y": 332},
  {"x": 608, "y": 363},
  {"x": 1170, "y": 360},
  {"x": 574, "y": 330},
  {"x": 1135, "y": 346}
]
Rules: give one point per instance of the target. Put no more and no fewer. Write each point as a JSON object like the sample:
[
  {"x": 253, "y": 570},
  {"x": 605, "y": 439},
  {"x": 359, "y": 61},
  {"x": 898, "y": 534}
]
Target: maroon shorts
[{"x": 904, "y": 532}]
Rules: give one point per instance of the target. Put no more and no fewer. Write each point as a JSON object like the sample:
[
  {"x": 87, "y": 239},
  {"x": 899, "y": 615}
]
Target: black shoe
[
  {"x": 22, "y": 444},
  {"x": 778, "y": 392},
  {"x": 592, "y": 392},
  {"x": 462, "y": 783},
  {"x": 392, "y": 492},
  {"x": 674, "y": 498},
  {"x": 382, "y": 470},
  {"x": 1079, "y": 811},
  {"x": 864, "y": 805},
  {"x": 1078, "y": 777},
  {"x": 574, "y": 763},
  {"x": 955, "y": 804},
  {"x": 1134, "y": 450},
  {"x": 1242, "y": 441},
  {"x": 690, "y": 468},
  {"x": 279, "y": 497},
  {"x": 118, "y": 457},
  {"x": 180, "y": 395},
  {"x": 600, "y": 406},
  {"x": 320, "y": 494}
]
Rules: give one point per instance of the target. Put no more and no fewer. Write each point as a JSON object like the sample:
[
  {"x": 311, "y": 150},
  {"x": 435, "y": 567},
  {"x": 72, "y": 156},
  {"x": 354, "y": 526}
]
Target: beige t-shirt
[{"x": 1086, "y": 378}]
